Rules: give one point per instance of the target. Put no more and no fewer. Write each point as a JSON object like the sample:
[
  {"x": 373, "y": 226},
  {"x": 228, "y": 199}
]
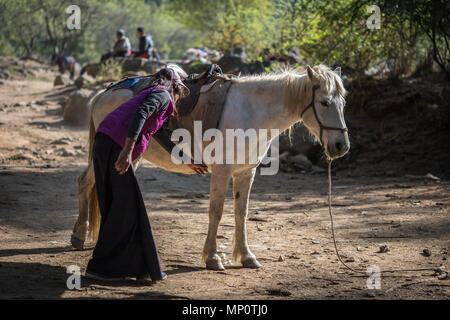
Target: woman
[{"x": 125, "y": 246}]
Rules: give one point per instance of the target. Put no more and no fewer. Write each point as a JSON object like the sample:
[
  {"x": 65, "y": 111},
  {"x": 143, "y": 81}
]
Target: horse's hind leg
[
  {"x": 242, "y": 183},
  {"x": 85, "y": 183},
  {"x": 220, "y": 178}
]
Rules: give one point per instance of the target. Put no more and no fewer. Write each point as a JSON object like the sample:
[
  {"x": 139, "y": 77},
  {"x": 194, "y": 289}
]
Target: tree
[{"x": 227, "y": 24}]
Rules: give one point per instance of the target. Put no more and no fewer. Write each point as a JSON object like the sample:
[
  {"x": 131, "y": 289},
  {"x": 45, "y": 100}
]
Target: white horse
[{"x": 269, "y": 101}]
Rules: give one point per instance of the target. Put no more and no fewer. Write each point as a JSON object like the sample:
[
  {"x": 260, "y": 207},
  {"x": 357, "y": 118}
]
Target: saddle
[
  {"x": 133, "y": 83},
  {"x": 194, "y": 83},
  {"x": 205, "y": 102}
]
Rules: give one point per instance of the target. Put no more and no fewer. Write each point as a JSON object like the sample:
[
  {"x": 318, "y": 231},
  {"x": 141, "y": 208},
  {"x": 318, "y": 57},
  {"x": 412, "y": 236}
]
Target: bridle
[
  {"x": 321, "y": 125},
  {"x": 442, "y": 274}
]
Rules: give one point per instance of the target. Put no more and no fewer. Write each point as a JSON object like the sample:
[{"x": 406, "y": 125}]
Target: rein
[
  {"x": 436, "y": 269},
  {"x": 322, "y": 128},
  {"x": 316, "y": 115}
]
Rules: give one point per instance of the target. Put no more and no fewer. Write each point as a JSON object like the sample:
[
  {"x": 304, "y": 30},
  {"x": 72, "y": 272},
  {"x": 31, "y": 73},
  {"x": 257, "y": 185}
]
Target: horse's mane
[{"x": 296, "y": 84}]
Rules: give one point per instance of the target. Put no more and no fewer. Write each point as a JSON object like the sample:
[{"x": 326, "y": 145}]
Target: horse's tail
[{"x": 94, "y": 210}]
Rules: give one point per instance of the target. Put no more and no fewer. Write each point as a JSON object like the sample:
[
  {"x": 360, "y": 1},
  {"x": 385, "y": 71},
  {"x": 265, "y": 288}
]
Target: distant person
[
  {"x": 146, "y": 48},
  {"x": 66, "y": 63},
  {"x": 145, "y": 44},
  {"x": 122, "y": 47}
]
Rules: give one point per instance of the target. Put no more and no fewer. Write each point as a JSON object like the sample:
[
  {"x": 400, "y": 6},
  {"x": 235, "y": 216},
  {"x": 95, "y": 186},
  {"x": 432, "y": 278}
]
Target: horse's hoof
[
  {"x": 214, "y": 264},
  {"x": 77, "y": 243},
  {"x": 251, "y": 263}
]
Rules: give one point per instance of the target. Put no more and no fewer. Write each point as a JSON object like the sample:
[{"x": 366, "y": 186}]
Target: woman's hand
[
  {"x": 123, "y": 161},
  {"x": 198, "y": 168}
]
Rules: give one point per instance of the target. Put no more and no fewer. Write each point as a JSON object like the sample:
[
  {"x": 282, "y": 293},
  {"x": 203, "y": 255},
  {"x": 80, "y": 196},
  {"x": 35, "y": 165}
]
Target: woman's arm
[
  {"x": 156, "y": 101},
  {"x": 163, "y": 139}
]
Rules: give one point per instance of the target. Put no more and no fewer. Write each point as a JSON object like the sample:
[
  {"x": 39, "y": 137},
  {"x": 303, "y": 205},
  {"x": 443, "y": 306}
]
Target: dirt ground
[{"x": 288, "y": 227}]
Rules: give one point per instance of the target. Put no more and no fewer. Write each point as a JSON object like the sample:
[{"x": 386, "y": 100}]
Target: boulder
[
  {"x": 133, "y": 65},
  {"x": 301, "y": 141},
  {"x": 62, "y": 80},
  {"x": 5, "y": 74},
  {"x": 236, "y": 62},
  {"x": 151, "y": 66},
  {"x": 82, "y": 81},
  {"x": 301, "y": 161},
  {"x": 195, "y": 67},
  {"x": 91, "y": 69},
  {"x": 231, "y": 64},
  {"x": 76, "y": 111}
]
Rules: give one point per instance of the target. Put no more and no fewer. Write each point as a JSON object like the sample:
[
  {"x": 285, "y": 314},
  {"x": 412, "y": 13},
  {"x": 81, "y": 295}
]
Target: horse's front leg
[
  {"x": 220, "y": 178},
  {"x": 242, "y": 183},
  {"x": 85, "y": 183}
]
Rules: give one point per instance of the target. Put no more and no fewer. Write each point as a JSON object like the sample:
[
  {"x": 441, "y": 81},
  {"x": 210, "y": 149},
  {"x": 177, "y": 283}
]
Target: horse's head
[{"x": 323, "y": 112}]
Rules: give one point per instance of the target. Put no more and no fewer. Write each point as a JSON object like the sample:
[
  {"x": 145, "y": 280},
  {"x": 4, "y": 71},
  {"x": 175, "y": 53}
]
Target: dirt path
[{"x": 289, "y": 229}]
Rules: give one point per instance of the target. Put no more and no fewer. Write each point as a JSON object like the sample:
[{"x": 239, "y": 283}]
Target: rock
[
  {"x": 91, "y": 69},
  {"x": 76, "y": 111},
  {"x": 280, "y": 258},
  {"x": 62, "y": 141},
  {"x": 279, "y": 292},
  {"x": 300, "y": 141},
  {"x": 370, "y": 294},
  {"x": 5, "y": 74},
  {"x": 426, "y": 252},
  {"x": 284, "y": 157},
  {"x": 230, "y": 64},
  {"x": 236, "y": 63},
  {"x": 316, "y": 169},
  {"x": 350, "y": 259},
  {"x": 133, "y": 65},
  {"x": 151, "y": 66},
  {"x": 67, "y": 153},
  {"x": 82, "y": 81},
  {"x": 432, "y": 177},
  {"x": 384, "y": 248},
  {"x": 195, "y": 67},
  {"x": 301, "y": 161},
  {"x": 62, "y": 80}
]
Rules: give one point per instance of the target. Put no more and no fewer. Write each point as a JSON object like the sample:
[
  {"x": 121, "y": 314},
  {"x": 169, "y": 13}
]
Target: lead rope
[{"x": 438, "y": 271}]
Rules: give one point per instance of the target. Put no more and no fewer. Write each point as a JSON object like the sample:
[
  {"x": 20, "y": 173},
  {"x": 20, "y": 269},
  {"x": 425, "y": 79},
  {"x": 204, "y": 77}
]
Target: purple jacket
[{"x": 116, "y": 123}]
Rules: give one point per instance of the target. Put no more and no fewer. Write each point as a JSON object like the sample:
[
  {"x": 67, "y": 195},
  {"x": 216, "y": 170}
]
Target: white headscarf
[{"x": 179, "y": 75}]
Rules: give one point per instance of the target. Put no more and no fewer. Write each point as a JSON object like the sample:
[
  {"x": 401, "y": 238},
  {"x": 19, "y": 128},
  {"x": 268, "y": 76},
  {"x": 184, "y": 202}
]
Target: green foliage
[
  {"x": 413, "y": 33},
  {"x": 110, "y": 70},
  {"x": 227, "y": 24},
  {"x": 39, "y": 27}
]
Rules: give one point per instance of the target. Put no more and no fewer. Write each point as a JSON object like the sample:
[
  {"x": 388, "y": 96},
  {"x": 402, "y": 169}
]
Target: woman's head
[{"x": 171, "y": 80}]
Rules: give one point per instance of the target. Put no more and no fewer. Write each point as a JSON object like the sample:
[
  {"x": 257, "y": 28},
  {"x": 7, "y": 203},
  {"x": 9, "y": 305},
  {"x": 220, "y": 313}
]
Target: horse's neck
[{"x": 268, "y": 107}]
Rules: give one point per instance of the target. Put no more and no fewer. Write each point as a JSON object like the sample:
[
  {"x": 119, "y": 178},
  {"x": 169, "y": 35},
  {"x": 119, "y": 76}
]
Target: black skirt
[{"x": 125, "y": 246}]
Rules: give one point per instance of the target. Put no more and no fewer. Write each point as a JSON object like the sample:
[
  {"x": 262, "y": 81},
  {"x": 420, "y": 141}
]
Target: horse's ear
[
  {"x": 312, "y": 75},
  {"x": 338, "y": 71}
]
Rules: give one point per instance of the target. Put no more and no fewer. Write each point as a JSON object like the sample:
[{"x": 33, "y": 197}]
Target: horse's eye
[{"x": 325, "y": 103}]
